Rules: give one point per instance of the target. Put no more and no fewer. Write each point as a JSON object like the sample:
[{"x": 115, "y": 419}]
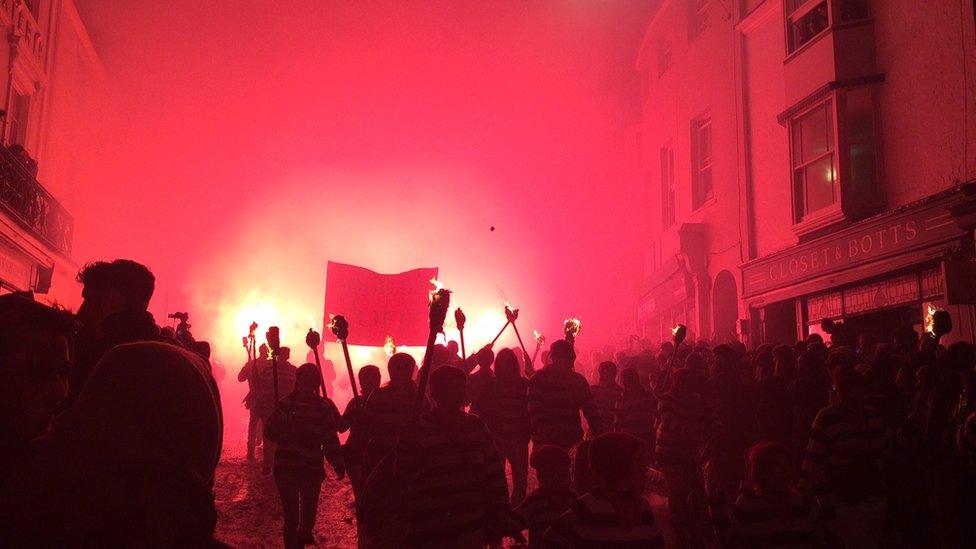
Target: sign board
[{"x": 862, "y": 243}]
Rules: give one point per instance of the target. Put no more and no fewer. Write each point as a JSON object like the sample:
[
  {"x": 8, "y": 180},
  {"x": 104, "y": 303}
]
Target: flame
[
  {"x": 331, "y": 324},
  {"x": 930, "y": 318},
  {"x": 389, "y": 346},
  {"x": 539, "y": 338},
  {"x": 438, "y": 286},
  {"x": 573, "y": 326}
]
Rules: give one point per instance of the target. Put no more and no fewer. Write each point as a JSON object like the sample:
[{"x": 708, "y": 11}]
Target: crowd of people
[{"x": 111, "y": 428}]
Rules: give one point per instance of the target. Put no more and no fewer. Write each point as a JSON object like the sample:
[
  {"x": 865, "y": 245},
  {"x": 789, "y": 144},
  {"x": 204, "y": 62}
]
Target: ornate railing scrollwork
[{"x": 32, "y": 206}]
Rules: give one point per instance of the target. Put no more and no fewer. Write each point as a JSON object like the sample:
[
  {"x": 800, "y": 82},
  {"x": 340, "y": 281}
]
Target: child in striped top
[
  {"x": 554, "y": 495},
  {"x": 770, "y": 512},
  {"x": 614, "y": 514}
]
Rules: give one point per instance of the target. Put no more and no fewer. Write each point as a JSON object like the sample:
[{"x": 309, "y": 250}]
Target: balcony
[{"x": 31, "y": 206}]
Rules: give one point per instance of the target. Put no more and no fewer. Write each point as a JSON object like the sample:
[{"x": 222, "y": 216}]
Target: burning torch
[
  {"x": 459, "y": 319},
  {"x": 679, "y": 332},
  {"x": 512, "y": 315},
  {"x": 571, "y": 328},
  {"x": 312, "y": 339},
  {"x": 340, "y": 328},
  {"x": 440, "y": 302},
  {"x": 389, "y": 346}
]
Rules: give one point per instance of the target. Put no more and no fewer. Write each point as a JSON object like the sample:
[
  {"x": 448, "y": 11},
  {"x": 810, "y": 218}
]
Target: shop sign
[
  {"x": 857, "y": 245},
  {"x": 669, "y": 293}
]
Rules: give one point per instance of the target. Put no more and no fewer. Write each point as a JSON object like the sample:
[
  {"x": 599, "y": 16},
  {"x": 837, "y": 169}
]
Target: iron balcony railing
[{"x": 32, "y": 206}]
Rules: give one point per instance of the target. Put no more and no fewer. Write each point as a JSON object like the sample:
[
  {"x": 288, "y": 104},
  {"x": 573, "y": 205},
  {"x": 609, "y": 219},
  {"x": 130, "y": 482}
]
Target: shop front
[
  {"x": 666, "y": 300},
  {"x": 875, "y": 275}
]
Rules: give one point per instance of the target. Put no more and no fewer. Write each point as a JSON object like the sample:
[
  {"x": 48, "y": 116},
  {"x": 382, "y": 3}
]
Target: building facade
[
  {"x": 803, "y": 160},
  {"x": 51, "y": 66}
]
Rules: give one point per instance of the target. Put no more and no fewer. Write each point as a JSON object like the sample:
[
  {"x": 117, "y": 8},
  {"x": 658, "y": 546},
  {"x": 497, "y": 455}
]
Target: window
[
  {"x": 814, "y": 162},
  {"x": 697, "y": 18},
  {"x": 701, "y": 159},
  {"x": 667, "y": 186},
  {"x": 806, "y": 19},
  {"x": 18, "y": 117},
  {"x": 663, "y": 55},
  {"x": 860, "y": 137}
]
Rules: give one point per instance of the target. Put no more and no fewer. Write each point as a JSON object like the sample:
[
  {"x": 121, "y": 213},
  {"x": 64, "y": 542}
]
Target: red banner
[{"x": 378, "y": 305}]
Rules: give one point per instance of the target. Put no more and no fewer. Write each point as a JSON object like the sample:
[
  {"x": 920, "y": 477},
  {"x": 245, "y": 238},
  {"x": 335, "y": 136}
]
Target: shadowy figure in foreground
[{"x": 130, "y": 463}]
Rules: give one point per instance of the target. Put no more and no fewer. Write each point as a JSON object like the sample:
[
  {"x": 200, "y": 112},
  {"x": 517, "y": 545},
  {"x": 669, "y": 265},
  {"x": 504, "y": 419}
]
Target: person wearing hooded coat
[{"x": 130, "y": 464}]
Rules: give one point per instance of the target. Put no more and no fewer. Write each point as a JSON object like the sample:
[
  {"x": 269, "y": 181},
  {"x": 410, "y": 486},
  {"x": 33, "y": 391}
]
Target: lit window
[
  {"x": 814, "y": 163},
  {"x": 701, "y": 142},
  {"x": 667, "y": 186},
  {"x": 806, "y": 19}
]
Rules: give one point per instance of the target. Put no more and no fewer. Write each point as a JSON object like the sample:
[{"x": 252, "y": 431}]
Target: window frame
[
  {"x": 804, "y": 8},
  {"x": 700, "y": 164},
  {"x": 669, "y": 195},
  {"x": 833, "y": 151}
]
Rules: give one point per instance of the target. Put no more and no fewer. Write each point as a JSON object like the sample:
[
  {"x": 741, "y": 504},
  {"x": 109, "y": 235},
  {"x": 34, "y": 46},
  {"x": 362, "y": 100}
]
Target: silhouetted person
[
  {"x": 129, "y": 464},
  {"x": 328, "y": 369},
  {"x": 264, "y": 400},
  {"x": 504, "y": 407},
  {"x": 304, "y": 427},
  {"x": 353, "y": 418},
  {"x": 685, "y": 422},
  {"x": 554, "y": 495},
  {"x": 456, "y": 495},
  {"x": 481, "y": 377},
  {"x": 389, "y": 410},
  {"x": 636, "y": 411},
  {"x": 114, "y": 311},
  {"x": 770, "y": 512},
  {"x": 249, "y": 373},
  {"x": 34, "y": 366},
  {"x": 606, "y": 392},
  {"x": 842, "y": 465},
  {"x": 557, "y": 395},
  {"x": 615, "y": 513}
]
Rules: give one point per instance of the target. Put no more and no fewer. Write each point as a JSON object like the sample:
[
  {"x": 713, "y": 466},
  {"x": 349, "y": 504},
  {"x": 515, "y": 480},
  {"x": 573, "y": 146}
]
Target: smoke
[{"x": 242, "y": 144}]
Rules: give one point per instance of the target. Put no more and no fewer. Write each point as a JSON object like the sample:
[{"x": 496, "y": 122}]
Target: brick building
[
  {"x": 50, "y": 67},
  {"x": 806, "y": 159}
]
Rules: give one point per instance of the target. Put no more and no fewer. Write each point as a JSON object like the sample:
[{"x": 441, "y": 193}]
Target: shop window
[
  {"x": 697, "y": 18},
  {"x": 701, "y": 160},
  {"x": 668, "y": 206},
  {"x": 807, "y": 19},
  {"x": 663, "y": 55},
  {"x": 814, "y": 162}
]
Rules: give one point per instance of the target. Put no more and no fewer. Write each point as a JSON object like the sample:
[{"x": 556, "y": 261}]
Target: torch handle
[
  {"x": 352, "y": 376},
  {"x": 424, "y": 373},
  {"x": 464, "y": 354},
  {"x": 318, "y": 363},
  {"x": 524, "y": 352},
  {"x": 667, "y": 375},
  {"x": 274, "y": 374},
  {"x": 500, "y": 332}
]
